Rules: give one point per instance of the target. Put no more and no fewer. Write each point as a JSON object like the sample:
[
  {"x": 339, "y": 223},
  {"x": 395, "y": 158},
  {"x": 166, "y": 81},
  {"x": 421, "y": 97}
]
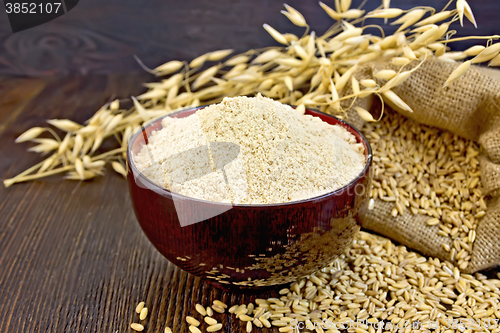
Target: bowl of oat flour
[{"x": 249, "y": 193}]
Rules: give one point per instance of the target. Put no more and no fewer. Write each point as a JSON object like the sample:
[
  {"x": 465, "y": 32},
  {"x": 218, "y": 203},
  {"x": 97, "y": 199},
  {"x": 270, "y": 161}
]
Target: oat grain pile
[
  {"x": 427, "y": 171},
  {"x": 273, "y": 153},
  {"x": 376, "y": 286}
]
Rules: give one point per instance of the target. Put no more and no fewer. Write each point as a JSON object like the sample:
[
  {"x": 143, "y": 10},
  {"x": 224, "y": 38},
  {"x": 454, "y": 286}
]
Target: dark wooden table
[{"x": 72, "y": 255}]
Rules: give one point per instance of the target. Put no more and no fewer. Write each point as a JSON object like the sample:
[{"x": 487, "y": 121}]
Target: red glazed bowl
[{"x": 248, "y": 246}]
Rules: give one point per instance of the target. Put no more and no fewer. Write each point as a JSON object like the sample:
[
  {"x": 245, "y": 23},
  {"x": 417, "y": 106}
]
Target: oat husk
[{"x": 469, "y": 107}]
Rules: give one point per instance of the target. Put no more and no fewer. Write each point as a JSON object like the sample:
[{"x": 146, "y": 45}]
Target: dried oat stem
[
  {"x": 18, "y": 179},
  {"x": 471, "y": 37}
]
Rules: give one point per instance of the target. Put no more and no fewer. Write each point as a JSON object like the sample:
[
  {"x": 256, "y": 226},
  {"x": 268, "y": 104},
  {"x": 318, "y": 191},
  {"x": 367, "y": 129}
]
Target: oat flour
[{"x": 248, "y": 150}]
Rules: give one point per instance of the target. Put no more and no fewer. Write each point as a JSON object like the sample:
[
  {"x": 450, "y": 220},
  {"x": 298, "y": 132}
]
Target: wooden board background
[
  {"x": 72, "y": 255},
  {"x": 102, "y": 36}
]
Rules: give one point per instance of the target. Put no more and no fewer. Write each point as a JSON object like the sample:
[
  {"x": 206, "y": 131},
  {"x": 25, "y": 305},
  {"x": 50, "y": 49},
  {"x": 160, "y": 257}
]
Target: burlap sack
[{"x": 469, "y": 107}]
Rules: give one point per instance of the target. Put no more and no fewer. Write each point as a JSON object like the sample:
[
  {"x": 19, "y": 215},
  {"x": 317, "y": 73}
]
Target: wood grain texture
[
  {"x": 72, "y": 255},
  {"x": 17, "y": 94},
  {"x": 102, "y": 37}
]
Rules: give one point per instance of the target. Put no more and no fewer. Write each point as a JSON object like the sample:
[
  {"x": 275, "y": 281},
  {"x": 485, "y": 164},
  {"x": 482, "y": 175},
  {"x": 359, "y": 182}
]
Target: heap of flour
[{"x": 250, "y": 151}]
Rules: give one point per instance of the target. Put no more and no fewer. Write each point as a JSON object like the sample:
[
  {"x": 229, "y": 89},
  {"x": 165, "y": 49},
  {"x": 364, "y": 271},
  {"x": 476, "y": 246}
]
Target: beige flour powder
[{"x": 250, "y": 151}]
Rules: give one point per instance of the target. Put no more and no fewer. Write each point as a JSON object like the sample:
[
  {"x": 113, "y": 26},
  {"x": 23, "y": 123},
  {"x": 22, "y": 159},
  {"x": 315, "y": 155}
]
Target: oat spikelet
[
  {"x": 205, "y": 77},
  {"x": 87, "y": 130},
  {"x": 424, "y": 37},
  {"x": 118, "y": 167},
  {"x": 199, "y": 61},
  {"x": 400, "y": 61},
  {"x": 368, "y": 57},
  {"x": 385, "y": 74},
  {"x": 435, "y": 18},
  {"x": 290, "y": 37},
  {"x": 275, "y": 34},
  {"x": 495, "y": 61},
  {"x": 423, "y": 28},
  {"x": 65, "y": 124},
  {"x": 240, "y": 59},
  {"x": 492, "y": 49},
  {"x": 169, "y": 67},
  {"x": 396, "y": 80},
  {"x": 345, "y": 5},
  {"x": 355, "y": 86},
  {"x": 385, "y": 13},
  {"x": 47, "y": 164},
  {"x": 395, "y": 101},
  {"x": 140, "y": 109},
  {"x": 409, "y": 19},
  {"x": 463, "y": 8},
  {"x": 98, "y": 140},
  {"x": 458, "y": 72},
  {"x": 294, "y": 16},
  {"x": 289, "y": 62},
  {"x": 219, "y": 55},
  {"x": 480, "y": 58},
  {"x": 458, "y": 56},
  {"x": 364, "y": 114},
  {"x": 243, "y": 78},
  {"x": 340, "y": 84},
  {"x": 368, "y": 83},
  {"x": 79, "y": 168},
  {"x": 349, "y": 33},
  {"x": 469, "y": 14},
  {"x": 352, "y": 14},
  {"x": 442, "y": 31},
  {"x": 152, "y": 94},
  {"x": 474, "y": 50},
  {"x": 335, "y": 96},
  {"x": 64, "y": 144},
  {"x": 45, "y": 145},
  {"x": 386, "y": 4},
  {"x": 337, "y": 6},
  {"x": 460, "y": 10},
  {"x": 30, "y": 134},
  {"x": 408, "y": 52},
  {"x": 267, "y": 56},
  {"x": 114, "y": 105},
  {"x": 288, "y": 82},
  {"x": 487, "y": 54},
  {"x": 330, "y": 11}
]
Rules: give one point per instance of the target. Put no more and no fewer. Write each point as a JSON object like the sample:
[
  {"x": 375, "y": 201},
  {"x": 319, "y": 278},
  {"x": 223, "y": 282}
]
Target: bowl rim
[{"x": 159, "y": 188}]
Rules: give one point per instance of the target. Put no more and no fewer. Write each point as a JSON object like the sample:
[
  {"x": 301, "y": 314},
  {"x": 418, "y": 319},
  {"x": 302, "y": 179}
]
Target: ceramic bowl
[{"x": 248, "y": 246}]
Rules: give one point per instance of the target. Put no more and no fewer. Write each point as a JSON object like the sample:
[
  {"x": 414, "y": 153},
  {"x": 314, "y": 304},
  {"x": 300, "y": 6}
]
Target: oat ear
[{"x": 296, "y": 72}]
